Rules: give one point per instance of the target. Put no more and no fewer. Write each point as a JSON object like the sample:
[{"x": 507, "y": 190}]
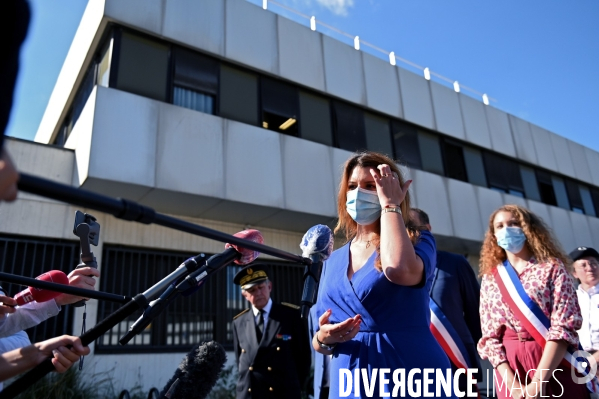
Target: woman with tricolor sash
[{"x": 528, "y": 308}]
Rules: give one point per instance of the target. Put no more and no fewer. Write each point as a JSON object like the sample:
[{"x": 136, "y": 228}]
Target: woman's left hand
[{"x": 387, "y": 186}]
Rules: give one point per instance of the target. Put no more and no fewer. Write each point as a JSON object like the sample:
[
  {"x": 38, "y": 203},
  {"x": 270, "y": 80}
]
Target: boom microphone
[
  {"x": 31, "y": 294},
  {"x": 197, "y": 373},
  {"x": 317, "y": 244}
]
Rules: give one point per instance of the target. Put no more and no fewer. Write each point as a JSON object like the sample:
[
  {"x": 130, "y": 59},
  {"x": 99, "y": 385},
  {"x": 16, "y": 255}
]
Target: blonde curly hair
[{"x": 539, "y": 240}]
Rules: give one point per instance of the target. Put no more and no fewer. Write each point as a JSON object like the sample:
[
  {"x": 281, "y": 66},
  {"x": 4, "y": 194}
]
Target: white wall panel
[
  {"x": 488, "y": 201},
  {"x": 123, "y": 145},
  {"x": 344, "y": 74},
  {"x": 475, "y": 121},
  {"x": 199, "y": 24},
  {"x": 250, "y": 178},
  {"x": 582, "y": 231},
  {"x": 447, "y": 111},
  {"x": 189, "y": 152},
  {"x": 543, "y": 147},
  {"x": 382, "y": 86},
  {"x": 143, "y": 14},
  {"x": 432, "y": 198},
  {"x": 562, "y": 155},
  {"x": 500, "y": 131},
  {"x": 594, "y": 227},
  {"x": 592, "y": 158},
  {"x": 416, "y": 99},
  {"x": 562, "y": 227},
  {"x": 251, "y": 35},
  {"x": 300, "y": 54},
  {"x": 525, "y": 146},
  {"x": 338, "y": 159},
  {"x": 542, "y": 211},
  {"x": 512, "y": 199},
  {"x": 579, "y": 159},
  {"x": 307, "y": 177},
  {"x": 465, "y": 214}
]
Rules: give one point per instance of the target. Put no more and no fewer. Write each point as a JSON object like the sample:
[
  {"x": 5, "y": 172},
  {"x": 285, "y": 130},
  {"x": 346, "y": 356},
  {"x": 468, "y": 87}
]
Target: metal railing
[{"x": 357, "y": 43}]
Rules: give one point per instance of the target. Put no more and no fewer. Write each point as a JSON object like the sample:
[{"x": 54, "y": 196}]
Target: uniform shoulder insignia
[
  {"x": 245, "y": 311},
  {"x": 290, "y": 305}
]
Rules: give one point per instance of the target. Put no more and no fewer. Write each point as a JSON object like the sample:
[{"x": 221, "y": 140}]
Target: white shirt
[
  {"x": 29, "y": 315},
  {"x": 266, "y": 310},
  {"x": 589, "y": 307}
]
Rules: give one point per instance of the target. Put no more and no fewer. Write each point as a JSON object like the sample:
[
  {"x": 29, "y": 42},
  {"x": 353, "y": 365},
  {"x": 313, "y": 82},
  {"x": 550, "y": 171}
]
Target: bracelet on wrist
[
  {"x": 395, "y": 209},
  {"x": 323, "y": 345}
]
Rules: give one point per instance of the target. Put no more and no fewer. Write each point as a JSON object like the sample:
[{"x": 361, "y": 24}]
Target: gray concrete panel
[
  {"x": 514, "y": 200},
  {"x": 562, "y": 227},
  {"x": 338, "y": 158},
  {"x": 199, "y": 24},
  {"x": 500, "y": 131},
  {"x": 251, "y": 35},
  {"x": 579, "y": 159},
  {"x": 416, "y": 99},
  {"x": 344, "y": 74},
  {"x": 475, "y": 121},
  {"x": 594, "y": 228},
  {"x": 562, "y": 155},
  {"x": 447, "y": 111},
  {"x": 432, "y": 198},
  {"x": 582, "y": 231},
  {"x": 300, "y": 54},
  {"x": 488, "y": 202},
  {"x": 296, "y": 221},
  {"x": 308, "y": 177},
  {"x": 239, "y": 212},
  {"x": 382, "y": 86},
  {"x": 123, "y": 142},
  {"x": 543, "y": 146},
  {"x": 178, "y": 203},
  {"x": 189, "y": 152},
  {"x": 464, "y": 210},
  {"x": 253, "y": 167},
  {"x": 592, "y": 157},
  {"x": 525, "y": 147},
  {"x": 542, "y": 211},
  {"x": 143, "y": 14}
]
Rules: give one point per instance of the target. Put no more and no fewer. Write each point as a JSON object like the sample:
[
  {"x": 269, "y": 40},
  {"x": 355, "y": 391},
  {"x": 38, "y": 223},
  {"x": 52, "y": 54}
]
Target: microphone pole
[
  {"x": 140, "y": 301},
  {"x": 65, "y": 289},
  {"x": 129, "y": 210}
]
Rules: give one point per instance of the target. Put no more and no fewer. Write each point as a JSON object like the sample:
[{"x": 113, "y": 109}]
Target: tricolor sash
[{"x": 530, "y": 314}]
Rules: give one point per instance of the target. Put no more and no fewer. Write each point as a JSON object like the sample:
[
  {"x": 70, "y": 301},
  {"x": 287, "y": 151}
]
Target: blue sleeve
[{"x": 426, "y": 249}]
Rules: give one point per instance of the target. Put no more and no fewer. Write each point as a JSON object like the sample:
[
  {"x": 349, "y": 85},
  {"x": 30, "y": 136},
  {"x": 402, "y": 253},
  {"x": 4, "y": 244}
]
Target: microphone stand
[
  {"x": 63, "y": 288},
  {"x": 139, "y": 301}
]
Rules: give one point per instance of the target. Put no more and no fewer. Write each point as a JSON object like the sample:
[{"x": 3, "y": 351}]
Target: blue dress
[{"x": 394, "y": 333}]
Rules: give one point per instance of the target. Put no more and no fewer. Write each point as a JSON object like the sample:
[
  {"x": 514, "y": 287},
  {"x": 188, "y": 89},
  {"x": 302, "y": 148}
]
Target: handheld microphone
[
  {"x": 317, "y": 244},
  {"x": 31, "y": 294},
  {"x": 197, "y": 374},
  {"x": 195, "y": 279}
]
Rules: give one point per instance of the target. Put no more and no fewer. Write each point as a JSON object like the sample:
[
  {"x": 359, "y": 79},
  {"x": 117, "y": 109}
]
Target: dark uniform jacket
[{"x": 277, "y": 367}]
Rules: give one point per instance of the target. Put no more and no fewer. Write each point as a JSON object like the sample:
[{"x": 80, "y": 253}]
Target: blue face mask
[
  {"x": 511, "y": 239},
  {"x": 363, "y": 206}
]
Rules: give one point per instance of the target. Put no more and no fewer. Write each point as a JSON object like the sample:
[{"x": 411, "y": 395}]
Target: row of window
[{"x": 165, "y": 72}]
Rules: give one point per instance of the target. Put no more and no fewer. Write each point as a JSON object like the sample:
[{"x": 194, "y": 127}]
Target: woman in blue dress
[{"x": 373, "y": 299}]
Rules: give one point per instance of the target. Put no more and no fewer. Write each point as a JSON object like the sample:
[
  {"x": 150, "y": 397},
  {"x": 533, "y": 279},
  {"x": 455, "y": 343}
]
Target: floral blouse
[{"x": 550, "y": 286}]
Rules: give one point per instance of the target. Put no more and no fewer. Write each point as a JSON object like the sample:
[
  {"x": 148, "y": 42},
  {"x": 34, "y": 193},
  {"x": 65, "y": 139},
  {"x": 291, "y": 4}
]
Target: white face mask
[{"x": 363, "y": 206}]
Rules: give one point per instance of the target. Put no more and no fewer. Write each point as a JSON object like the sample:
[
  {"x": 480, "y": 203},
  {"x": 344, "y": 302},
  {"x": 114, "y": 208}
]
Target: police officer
[{"x": 270, "y": 341}]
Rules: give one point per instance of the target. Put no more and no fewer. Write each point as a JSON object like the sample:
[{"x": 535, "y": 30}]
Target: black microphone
[
  {"x": 195, "y": 279},
  {"x": 197, "y": 374},
  {"x": 317, "y": 244}
]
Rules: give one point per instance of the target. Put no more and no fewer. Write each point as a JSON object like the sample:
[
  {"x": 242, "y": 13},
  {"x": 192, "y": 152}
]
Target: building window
[
  {"x": 378, "y": 134},
  {"x": 279, "y": 107},
  {"x": 142, "y": 66},
  {"x": 195, "y": 81},
  {"x": 595, "y": 198},
  {"x": 561, "y": 194},
  {"x": 238, "y": 99},
  {"x": 574, "y": 197},
  {"x": 30, "y": 257},
  {"x": 203, "y": 316},
  {"x": 529, "y": 180},
  {"x": 405, "y": 140},
  {"x": 587, "y": 200},
  {"x": 455, "y": 167},
  {"x": 349, "y": 127},
  {"x": 87, "y": 85},
  {"x": 315, "y": 118},
  {"x": 546, "y": 188},
  {"x": 103, "y": 78},
  {"x": 430, "y": 153},
  {"x": 475, "y": 168},
  {"x": 503, "y": 174}
]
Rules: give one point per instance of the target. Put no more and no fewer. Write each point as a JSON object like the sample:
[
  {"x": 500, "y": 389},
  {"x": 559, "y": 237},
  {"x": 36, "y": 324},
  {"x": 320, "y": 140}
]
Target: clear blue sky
[{"x": 538, "y": 58}]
